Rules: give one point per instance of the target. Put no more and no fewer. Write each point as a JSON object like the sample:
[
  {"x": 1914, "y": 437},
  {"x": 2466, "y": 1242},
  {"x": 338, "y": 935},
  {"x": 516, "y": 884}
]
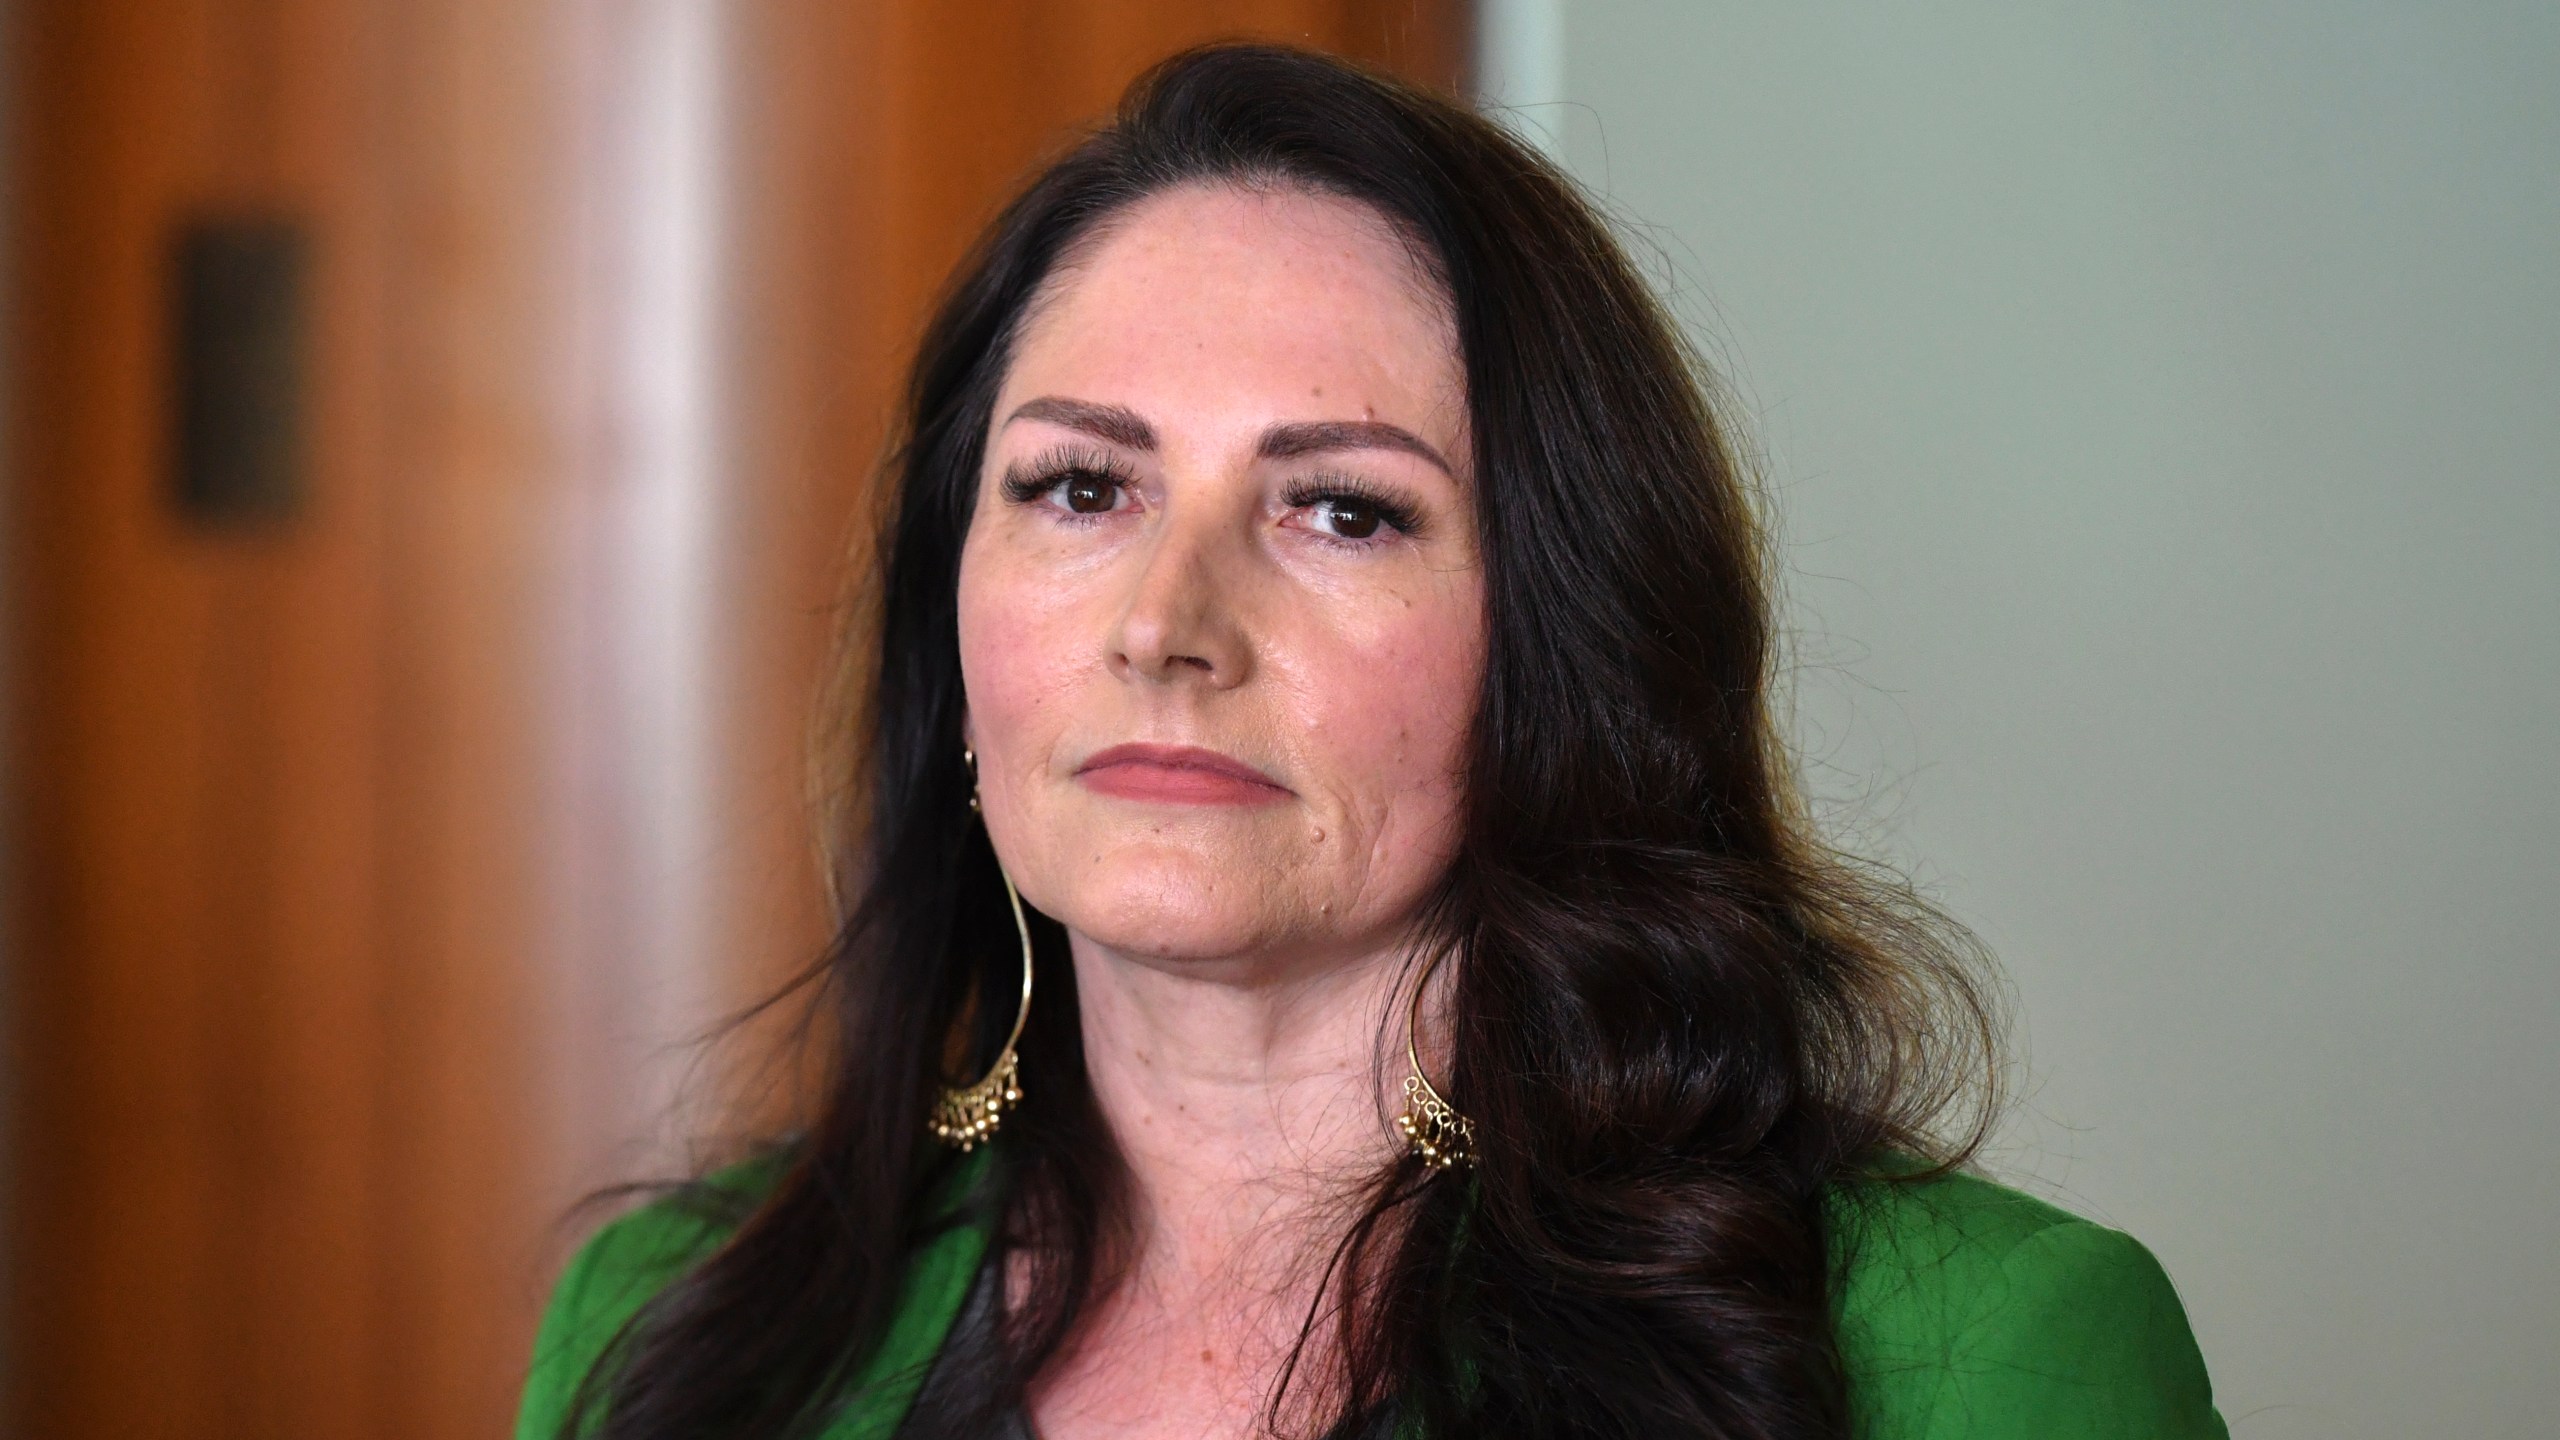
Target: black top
[{"x": 973, "y": 1334}]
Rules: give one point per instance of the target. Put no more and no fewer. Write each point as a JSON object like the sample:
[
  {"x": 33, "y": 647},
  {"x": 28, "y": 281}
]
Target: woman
[{"x": 1317, "y": 583}]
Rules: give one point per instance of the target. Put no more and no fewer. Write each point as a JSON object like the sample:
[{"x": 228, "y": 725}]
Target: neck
[{"x": 1247, "y": 1107}]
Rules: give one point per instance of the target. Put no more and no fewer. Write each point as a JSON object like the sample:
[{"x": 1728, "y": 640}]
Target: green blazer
[{"x": 1968, "y": 1311}]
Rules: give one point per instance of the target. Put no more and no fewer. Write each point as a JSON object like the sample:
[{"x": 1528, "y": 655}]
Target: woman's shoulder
[
  {"x": 629, "y": 1261},
  {"x": 1971, "y": 1308},
  {"x": 619, "y": 1269}
]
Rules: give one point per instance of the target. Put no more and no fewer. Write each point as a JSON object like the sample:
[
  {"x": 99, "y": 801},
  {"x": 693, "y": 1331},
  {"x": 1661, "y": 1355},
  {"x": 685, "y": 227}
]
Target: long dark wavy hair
[{"x": 1680, "y": 1020}]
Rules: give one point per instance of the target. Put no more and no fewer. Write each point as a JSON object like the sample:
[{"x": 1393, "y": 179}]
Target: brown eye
[
  {"x": 1088, "y": 493},
  {"x": 1350, "y": 519}
]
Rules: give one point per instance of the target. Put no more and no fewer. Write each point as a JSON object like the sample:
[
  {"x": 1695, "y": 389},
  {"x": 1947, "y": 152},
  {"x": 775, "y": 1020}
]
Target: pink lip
[{"x": 1177, "y": 775}]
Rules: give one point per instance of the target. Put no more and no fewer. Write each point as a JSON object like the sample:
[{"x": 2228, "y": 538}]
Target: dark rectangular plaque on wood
[{"x": 239, "y": 287}]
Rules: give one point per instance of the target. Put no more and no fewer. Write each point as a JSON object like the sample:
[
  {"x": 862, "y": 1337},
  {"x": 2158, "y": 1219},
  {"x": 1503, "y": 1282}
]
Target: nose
[{"x": 1180, "y": 624}]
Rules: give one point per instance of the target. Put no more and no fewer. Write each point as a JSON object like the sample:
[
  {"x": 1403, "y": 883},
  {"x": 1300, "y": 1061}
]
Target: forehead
[{"x": 1209, "y": 299}]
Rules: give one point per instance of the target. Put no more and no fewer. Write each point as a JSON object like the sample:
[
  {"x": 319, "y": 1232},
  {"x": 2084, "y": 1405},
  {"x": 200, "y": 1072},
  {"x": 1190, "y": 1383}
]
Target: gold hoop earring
[
  {"x": 1431, "y": 1125},
  {"x": 965, "y": 1117}
]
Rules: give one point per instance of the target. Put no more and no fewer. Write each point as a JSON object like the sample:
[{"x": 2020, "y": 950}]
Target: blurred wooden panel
[
  {"x": 362, "y": 864},
  {"x": 279, "y": 952},
  {"x": 195, "y": 1124}
]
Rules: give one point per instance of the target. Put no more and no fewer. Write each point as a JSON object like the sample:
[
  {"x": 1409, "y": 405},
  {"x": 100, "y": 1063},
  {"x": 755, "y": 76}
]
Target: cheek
[
  {"x": 1012, "y": 658},
  {"x": 1394, "y": 703}
]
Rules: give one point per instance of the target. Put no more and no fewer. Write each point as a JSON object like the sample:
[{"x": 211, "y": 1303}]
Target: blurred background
[{"x": 436, "y": 432}]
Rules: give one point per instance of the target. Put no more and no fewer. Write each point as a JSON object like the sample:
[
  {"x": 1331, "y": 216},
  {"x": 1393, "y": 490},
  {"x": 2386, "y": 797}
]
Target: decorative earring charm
[
  {"x": 1431, "y": 1125},
  {"x": 966, "y": 1116},
  {"x": 1440, "y": 1135}
]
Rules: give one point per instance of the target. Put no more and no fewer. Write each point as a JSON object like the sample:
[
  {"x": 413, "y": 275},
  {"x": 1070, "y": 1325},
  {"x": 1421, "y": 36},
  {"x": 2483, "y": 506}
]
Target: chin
[{"x": 1166, "y": 904}]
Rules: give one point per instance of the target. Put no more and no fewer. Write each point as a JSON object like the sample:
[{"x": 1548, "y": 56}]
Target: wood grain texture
[{"x": 275, "y": 909}]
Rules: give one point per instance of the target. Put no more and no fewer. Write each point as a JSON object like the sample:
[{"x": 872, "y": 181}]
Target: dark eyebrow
[
  {"x": 1116, "y": 424},
  {"x": 1288, "y": 442},
  {"x": 1120, "y": 425}
]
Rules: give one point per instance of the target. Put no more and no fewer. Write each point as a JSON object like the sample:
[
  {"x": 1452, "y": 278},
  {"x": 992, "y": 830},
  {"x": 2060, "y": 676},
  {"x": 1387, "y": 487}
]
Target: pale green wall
[{"x": 2163, "y": 404}]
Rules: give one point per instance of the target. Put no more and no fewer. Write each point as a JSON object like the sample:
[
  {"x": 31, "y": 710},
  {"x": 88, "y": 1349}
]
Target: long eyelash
[
  {"x": 1028, "y": 480},
  {"x": 1398, "y": 515}
]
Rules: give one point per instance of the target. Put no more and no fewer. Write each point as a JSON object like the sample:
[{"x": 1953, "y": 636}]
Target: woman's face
[{"x": 1221, "y": 612}]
